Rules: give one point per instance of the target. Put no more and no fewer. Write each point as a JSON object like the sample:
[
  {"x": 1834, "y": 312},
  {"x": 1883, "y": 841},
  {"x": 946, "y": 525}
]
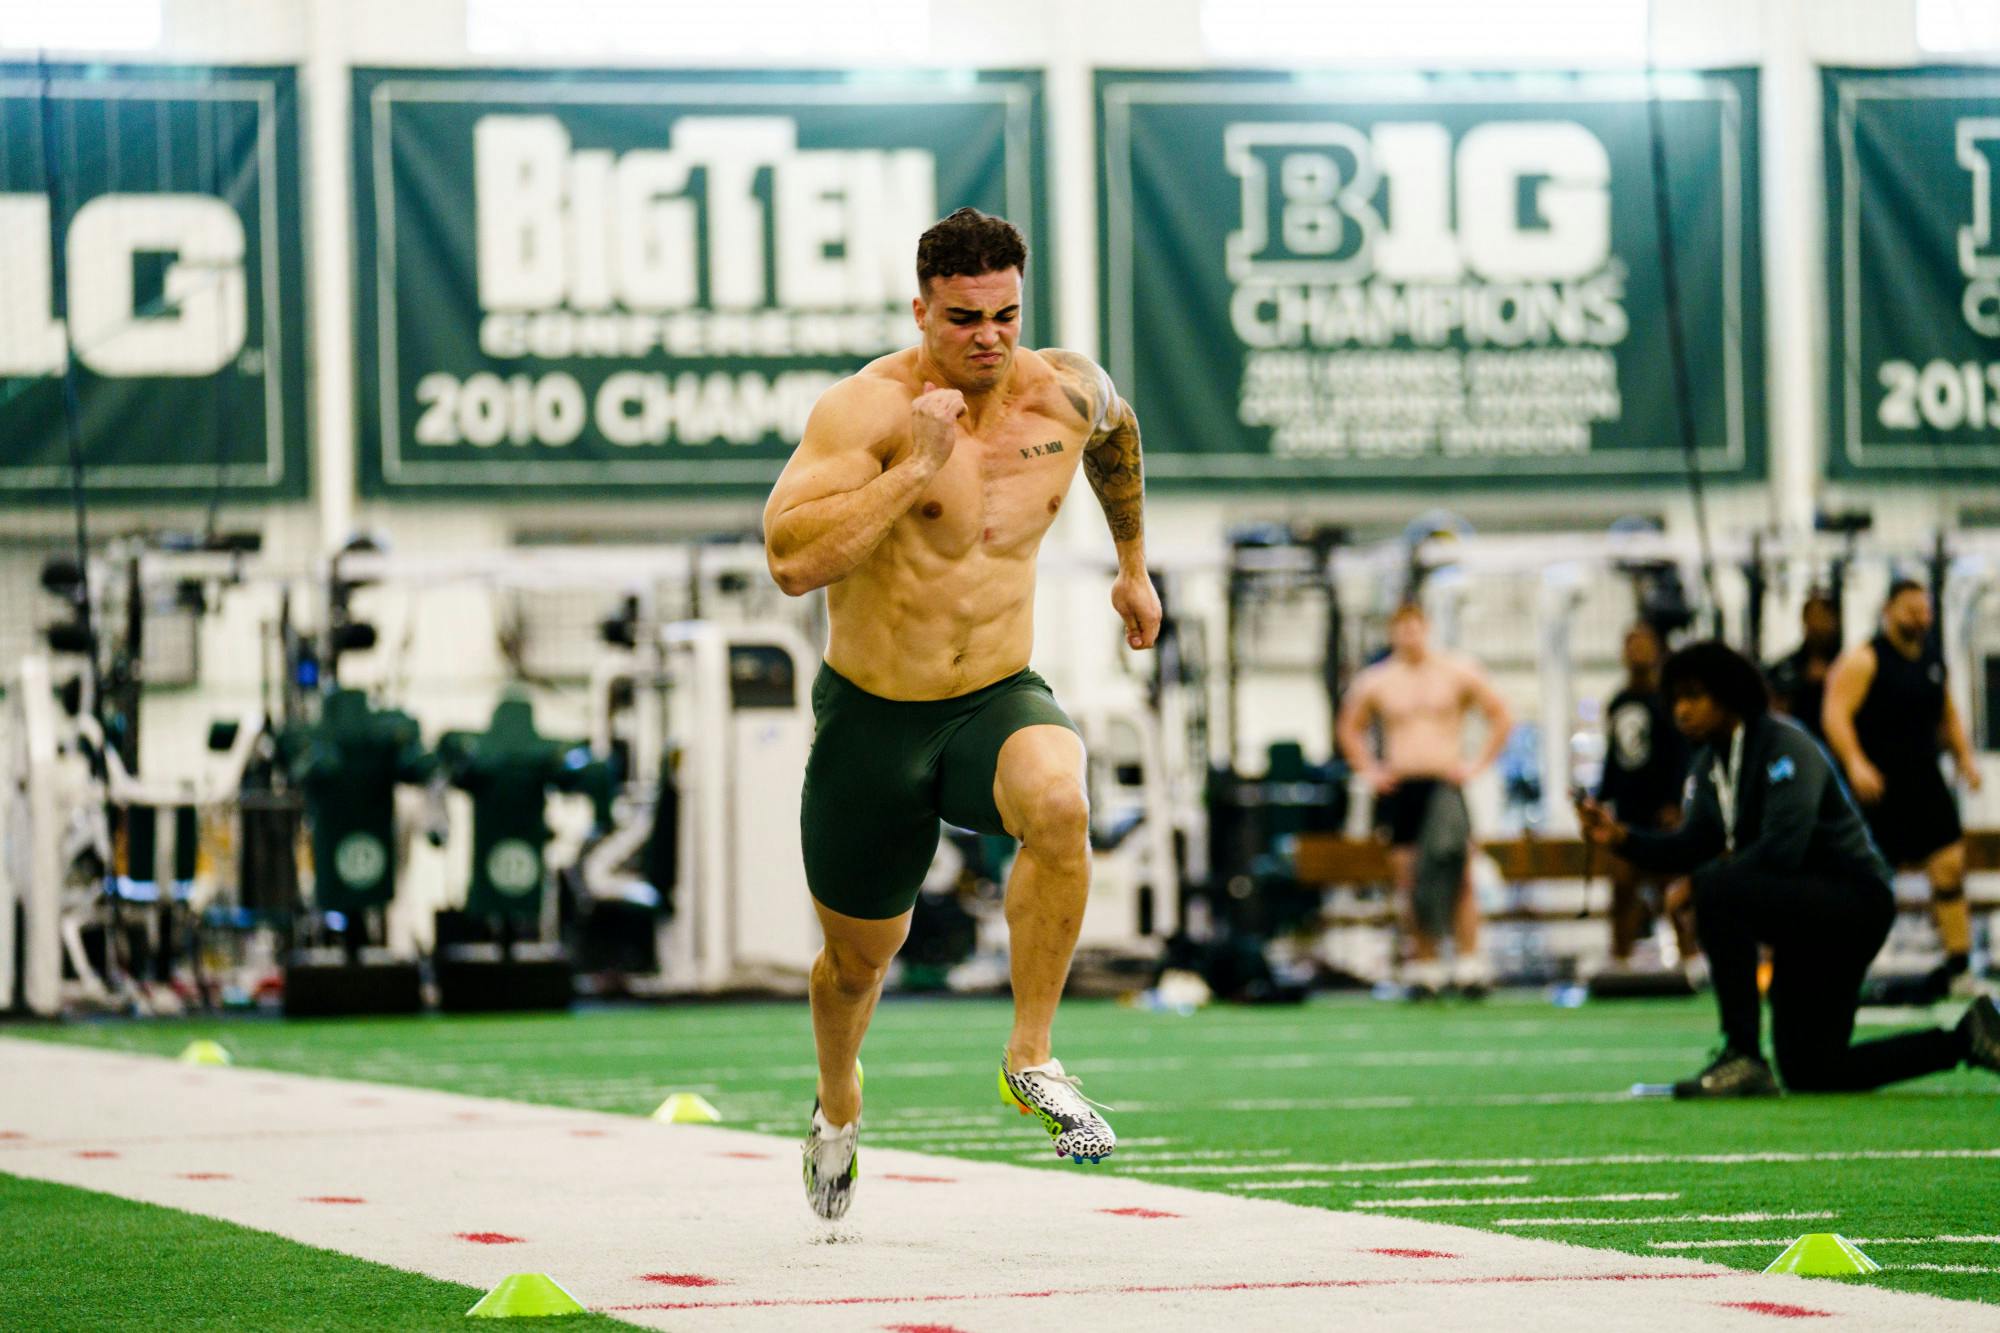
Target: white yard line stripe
[
  {"x": 1856, "y": 1240},
  {"x": 1666, "y": 1159},
  {"x": 1944, "y": 1268},
  {"x": 1502, "y": 1200},
  {"x": 1479, "y": 1058},
  {"x": 1189, "y": 1170},
  {"x": 1280, "y": 1185},
  {"x": 1650, "y": 1221},
  {"x": 1434, "y": 1181},
  {"x": 1404, "y": 1103}
]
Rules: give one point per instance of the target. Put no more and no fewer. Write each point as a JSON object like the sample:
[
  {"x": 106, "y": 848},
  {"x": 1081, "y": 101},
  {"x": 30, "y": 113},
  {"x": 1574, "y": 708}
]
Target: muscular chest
[
  {"x": 1421, "y": 697},
  {"x": 1000, "y": 490}
]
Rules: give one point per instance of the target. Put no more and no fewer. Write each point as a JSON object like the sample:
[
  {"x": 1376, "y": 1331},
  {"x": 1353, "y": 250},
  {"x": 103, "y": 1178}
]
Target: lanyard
[{"x": 1726, "y": 779}]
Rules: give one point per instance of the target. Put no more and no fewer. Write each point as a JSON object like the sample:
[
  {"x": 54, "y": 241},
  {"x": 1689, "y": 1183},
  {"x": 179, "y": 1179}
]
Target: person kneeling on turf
[{"x": 1779, "y": 856}]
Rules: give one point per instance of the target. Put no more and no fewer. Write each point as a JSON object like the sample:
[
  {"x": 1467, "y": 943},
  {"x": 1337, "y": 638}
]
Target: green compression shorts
[{"x": 883, "y": 772}]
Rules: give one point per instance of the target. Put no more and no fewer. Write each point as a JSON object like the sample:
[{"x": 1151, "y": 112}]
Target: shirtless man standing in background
[
  {"x": 918, "y": 498},
  {"x": 1422, "y": 697}
]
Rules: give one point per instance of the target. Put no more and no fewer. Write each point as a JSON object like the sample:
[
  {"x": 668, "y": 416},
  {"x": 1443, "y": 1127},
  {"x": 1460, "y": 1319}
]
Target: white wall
[{"x": 1067, "y": 39}]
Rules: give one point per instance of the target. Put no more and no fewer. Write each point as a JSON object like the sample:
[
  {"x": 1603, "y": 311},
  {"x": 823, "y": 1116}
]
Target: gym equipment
[
  {"x": 349, "y": 766},
  {"x": 32, "y": 883},
  {"x": 509, "y": 770},
  {"x": 730, "y": 705}
]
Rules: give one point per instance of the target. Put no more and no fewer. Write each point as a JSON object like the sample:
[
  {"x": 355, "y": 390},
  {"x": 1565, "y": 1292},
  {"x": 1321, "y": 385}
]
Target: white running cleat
[
  {"x": 832, "y": 1165},
  {"x": 1055, "y": 1098}
]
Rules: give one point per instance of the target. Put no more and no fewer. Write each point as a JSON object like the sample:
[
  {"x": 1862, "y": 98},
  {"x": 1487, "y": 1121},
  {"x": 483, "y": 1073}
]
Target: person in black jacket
[{"x": 1779, "y": 856}]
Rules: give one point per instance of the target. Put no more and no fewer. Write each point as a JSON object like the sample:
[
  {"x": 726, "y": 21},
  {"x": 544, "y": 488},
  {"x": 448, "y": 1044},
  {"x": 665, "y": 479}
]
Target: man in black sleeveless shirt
[
  {"x": 1887, "y": 715},
  {"x": 1799, "y": 678},
  {"x": 1645, "y": 769}
]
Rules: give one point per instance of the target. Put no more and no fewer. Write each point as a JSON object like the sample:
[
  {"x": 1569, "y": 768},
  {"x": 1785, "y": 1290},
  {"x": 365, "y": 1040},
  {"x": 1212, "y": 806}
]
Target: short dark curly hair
[
  {"x": 1713, "y": 668},
  {"x": 968, "y": 243}
]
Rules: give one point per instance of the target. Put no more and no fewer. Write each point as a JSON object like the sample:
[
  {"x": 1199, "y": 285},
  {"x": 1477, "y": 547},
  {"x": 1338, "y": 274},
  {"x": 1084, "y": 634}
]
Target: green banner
[
  {"x": 1429, "y": 280},
  {"x": 639, "y": 283},
  {"x": 1913, "y": 272},
  {"x": 150, "y": 256}
]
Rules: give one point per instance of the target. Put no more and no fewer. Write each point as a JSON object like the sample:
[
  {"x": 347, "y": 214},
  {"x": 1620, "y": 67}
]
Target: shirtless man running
[
  {"x": 918, "y": 498},
  {"x": 1421, "y": 698}
]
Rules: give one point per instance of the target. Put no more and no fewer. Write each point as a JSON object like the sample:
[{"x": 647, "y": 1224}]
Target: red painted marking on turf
[
  {"x": 754, "y": 1157},
  {"x": 1775, "y": 1310},
  {"x": 468, "y": 1115},
  {"x": 1136, "y": 1212},
  {"x": 332, "y": 1198},
  {"x": 10, "y": 1135},
  {"x": 95, "y": 1154},
  {"x": 921, "y": 1328},
  {"x": 1197, "y": 1288},
  {"x": 365, "y": 1101},
  {"x": 489, "y": 1238},
  {"x": 931, "y": 1180},
  {"x": 589, "y": 1134},
  {"x": 1394, "y": 1253},
  {"x": 681, "y": 1279},
  {"x": 206, "y": 1175}
]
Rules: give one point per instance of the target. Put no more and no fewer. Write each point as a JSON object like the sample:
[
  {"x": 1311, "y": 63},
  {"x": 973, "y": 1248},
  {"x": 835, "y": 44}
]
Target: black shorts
[
  {"x": 1916, "y": 818},
  {"x": 882, "y": 772},
  {"x": 1400, "y": 812}
]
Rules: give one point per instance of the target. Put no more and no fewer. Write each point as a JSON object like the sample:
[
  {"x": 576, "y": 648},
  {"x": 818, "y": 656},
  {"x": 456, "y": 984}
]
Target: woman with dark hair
[{"x": 1780, "y": 857}]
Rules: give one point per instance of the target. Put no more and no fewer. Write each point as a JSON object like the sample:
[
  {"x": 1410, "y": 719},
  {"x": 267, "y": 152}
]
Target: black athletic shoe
[
  {"x": 1981, "y": 1029},
  {"x": 1730, "y": 1074}
]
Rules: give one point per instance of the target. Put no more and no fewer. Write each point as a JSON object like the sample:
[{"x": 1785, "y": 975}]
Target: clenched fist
[{"x": 934, "y": 424}]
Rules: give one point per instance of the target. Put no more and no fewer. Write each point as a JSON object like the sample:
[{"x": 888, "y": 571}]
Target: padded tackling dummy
[
  {"x": 348, "y": 766},
  {"x": 508, "y": 770}
]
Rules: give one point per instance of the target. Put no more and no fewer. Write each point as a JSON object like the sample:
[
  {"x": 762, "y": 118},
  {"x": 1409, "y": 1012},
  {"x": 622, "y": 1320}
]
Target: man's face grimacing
[{"x": 970, "y": 324}]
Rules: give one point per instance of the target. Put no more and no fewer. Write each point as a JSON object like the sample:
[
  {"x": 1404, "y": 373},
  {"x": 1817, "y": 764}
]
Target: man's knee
[
  {"x": 853, "y": 970},
  {"x": 1947, "y": 873},
  {"x": 1808, "y": 1066},
  {"x": 1055, "y": 818}
]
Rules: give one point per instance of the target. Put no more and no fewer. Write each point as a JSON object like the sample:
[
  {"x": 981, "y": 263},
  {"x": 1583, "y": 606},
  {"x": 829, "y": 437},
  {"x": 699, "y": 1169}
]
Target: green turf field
[
  {"x": 79, "y": 1260},
  {"x": 1292, "y": 1104}
]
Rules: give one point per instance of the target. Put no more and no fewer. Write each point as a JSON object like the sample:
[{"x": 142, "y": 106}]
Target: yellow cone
[
  {"x": 525, "y": 1296},
  {"x": 687, "y": 1108},
  {"x": 1823, "y": 1254},
  {"x": 205, "y": 1053}
]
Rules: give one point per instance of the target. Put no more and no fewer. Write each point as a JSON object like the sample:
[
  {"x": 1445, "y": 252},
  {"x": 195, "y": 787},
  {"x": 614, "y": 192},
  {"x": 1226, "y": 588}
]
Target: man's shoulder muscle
[
  {"x": 1083, "y": 382},
  {"x": 861, "y": 410}
]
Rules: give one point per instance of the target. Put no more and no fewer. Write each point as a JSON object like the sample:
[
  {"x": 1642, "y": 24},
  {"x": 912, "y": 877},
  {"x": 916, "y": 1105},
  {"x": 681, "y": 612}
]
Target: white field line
[
  {"x": 1943, "y": 1268},
  {"x": 1433, "y": 1181},
  {"x": 1227, "y": 1170},
  {"x": 1856, "y": 1240},
  {"x": 1650, "y": 1221},
  {"x": 1660, "y": 1159},
  {"x": 1403, "y": 1103},
  {"x": 1488, "y": 1057},
  {"x": 1650, "y": 1196},
  {"x": 1280, "y": 1184}
]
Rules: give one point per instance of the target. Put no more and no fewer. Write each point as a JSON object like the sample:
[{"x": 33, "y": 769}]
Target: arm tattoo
[
  {"x": 1111, "y": 453},
  {"x": 1111, "y": 462}
]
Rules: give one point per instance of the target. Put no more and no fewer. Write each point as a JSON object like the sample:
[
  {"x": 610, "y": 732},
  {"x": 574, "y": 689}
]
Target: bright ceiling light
[
  {"x": 80, "y": 25},
  {"x": 1427, "y": 33},
  {"x": 870, "y": 32}
]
